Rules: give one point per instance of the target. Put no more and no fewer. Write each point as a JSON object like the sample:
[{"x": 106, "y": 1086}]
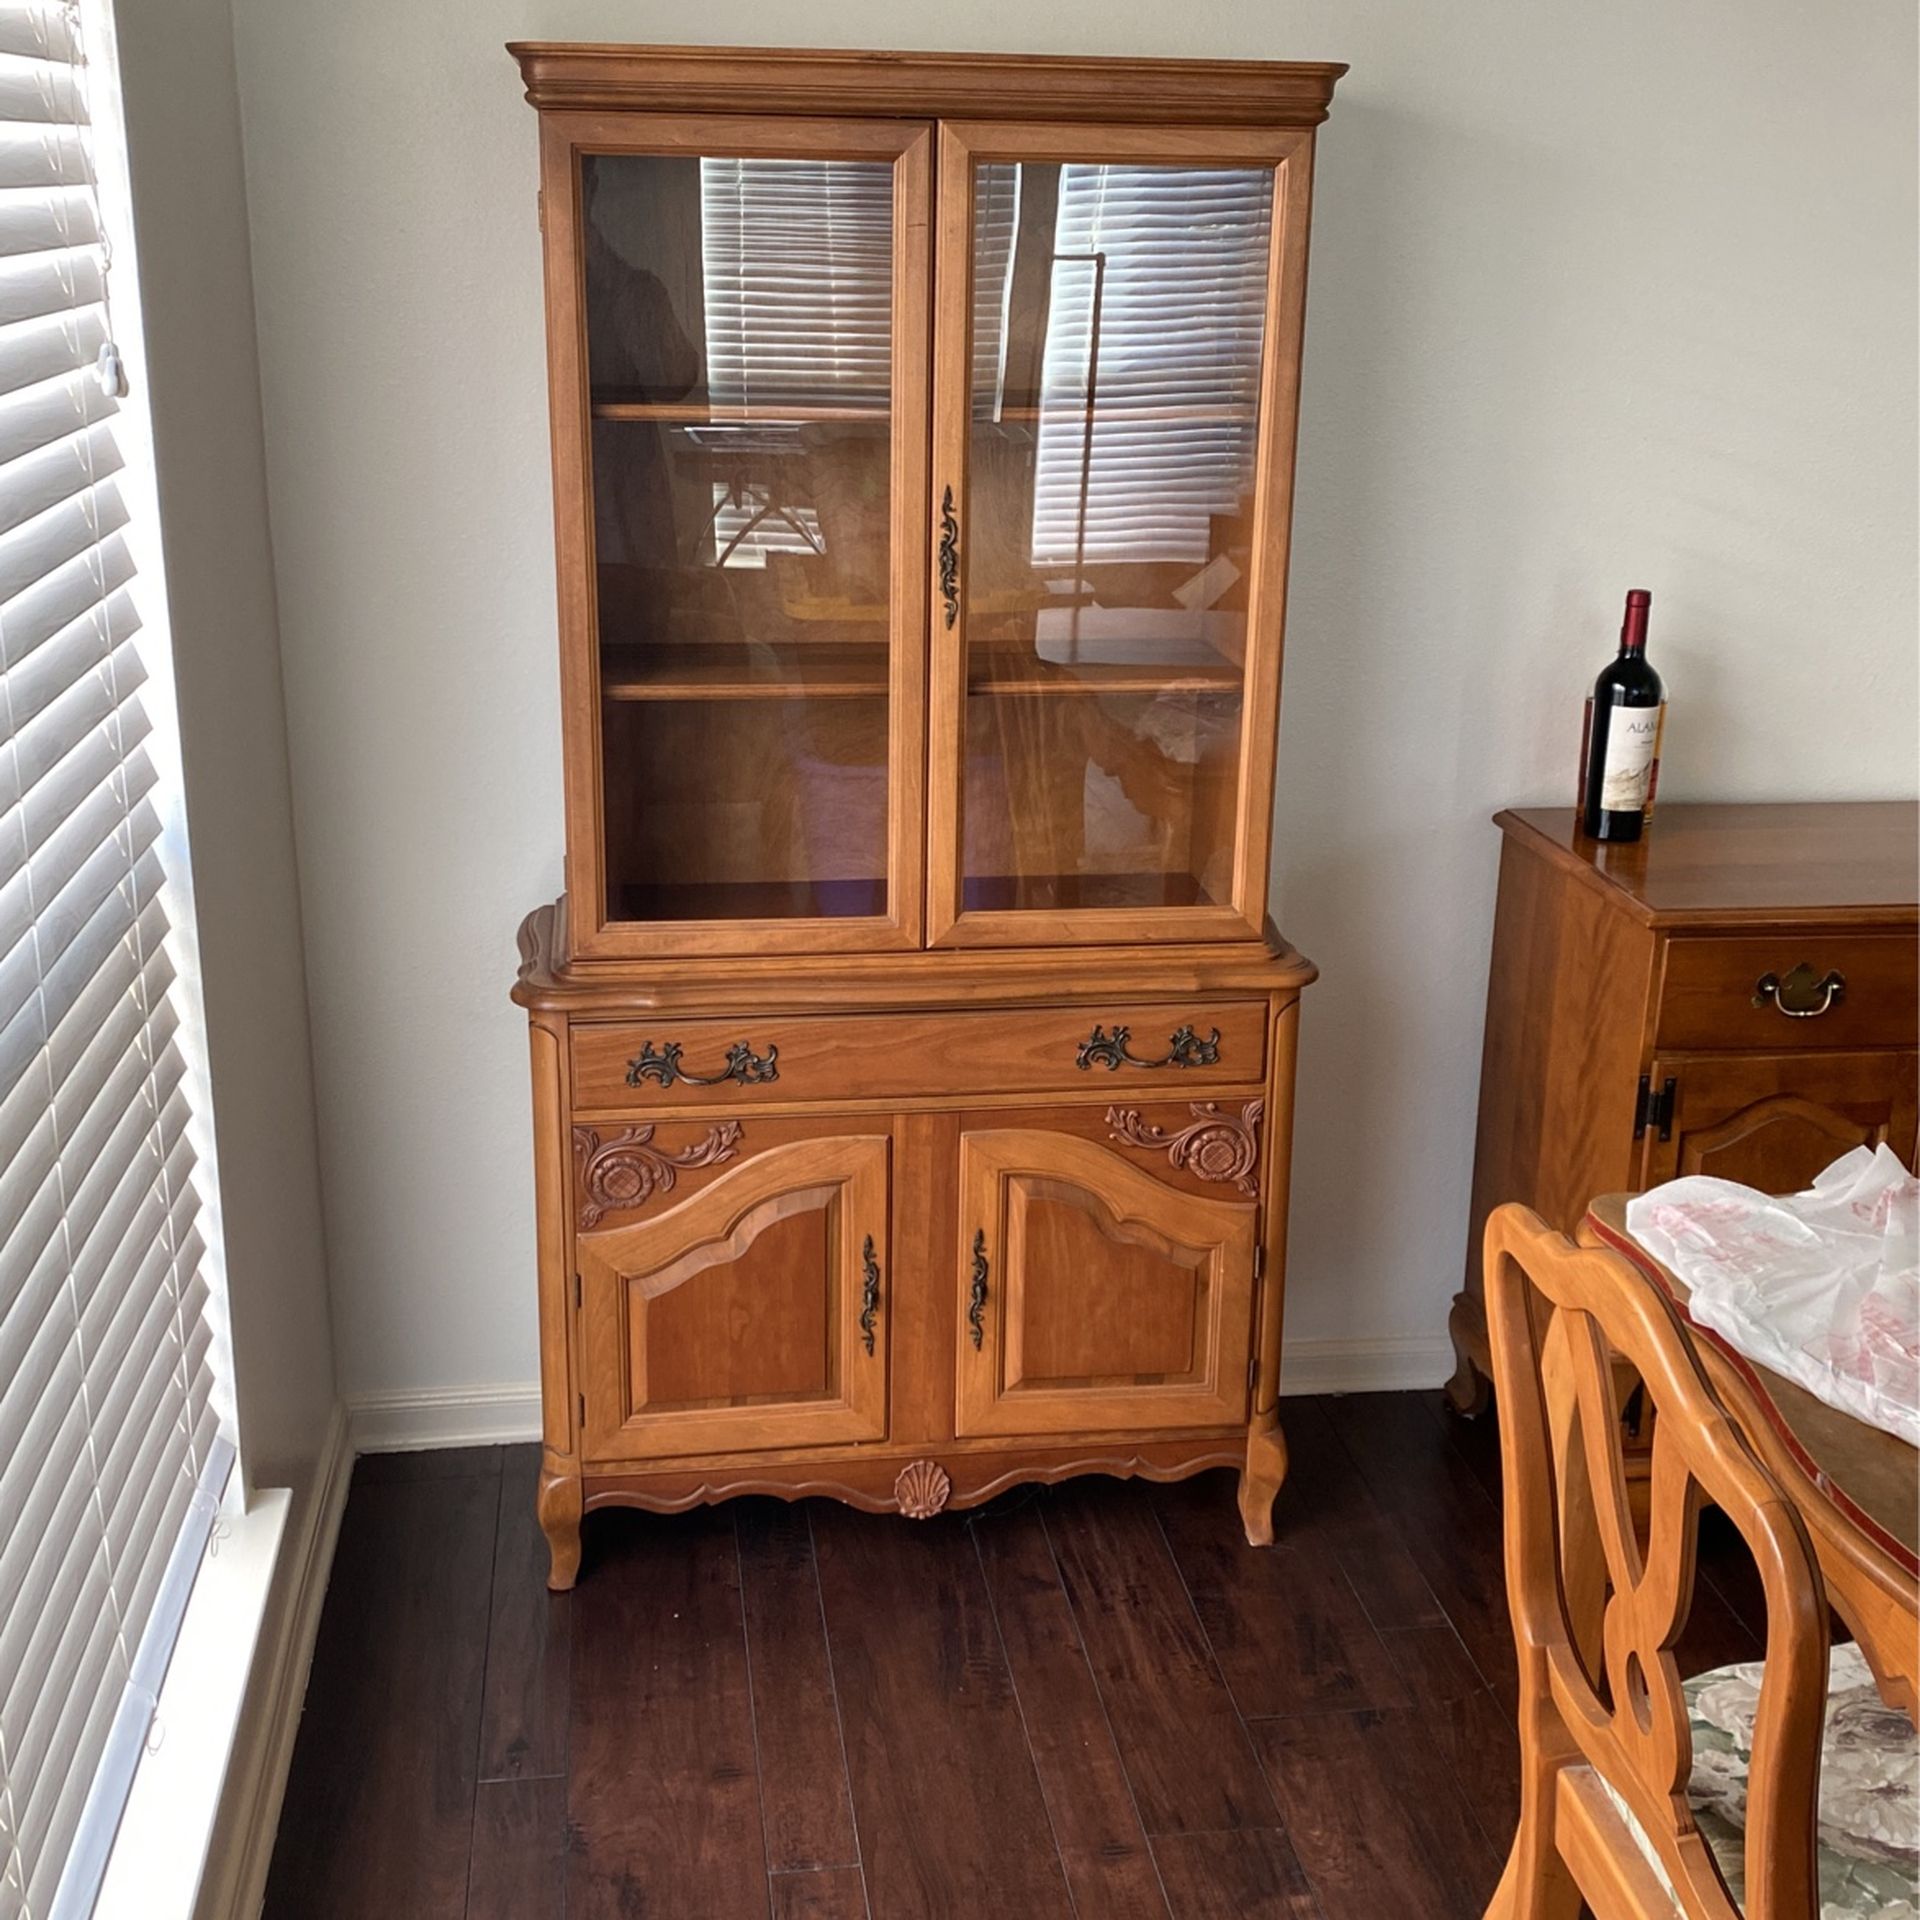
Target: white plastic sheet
[{"x": 1822, "y": 1286}]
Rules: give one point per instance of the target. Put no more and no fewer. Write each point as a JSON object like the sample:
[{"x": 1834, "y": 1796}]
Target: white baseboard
[
  {"x": 1366, "y": 1366},
  {"x": 406, "y": 1420},
  {"x": 236, "y": 1887}
]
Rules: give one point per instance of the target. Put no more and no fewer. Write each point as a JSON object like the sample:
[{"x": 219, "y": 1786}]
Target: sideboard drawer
[
  {"x": 1790, "y": 990},
  {"x": 1112, "y": 1050}
]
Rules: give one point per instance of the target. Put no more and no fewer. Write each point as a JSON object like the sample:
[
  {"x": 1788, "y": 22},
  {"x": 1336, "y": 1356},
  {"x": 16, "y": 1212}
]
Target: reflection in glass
[
  {"x": 1114, "y": 422},
  {"x": 739, "y": 356}
]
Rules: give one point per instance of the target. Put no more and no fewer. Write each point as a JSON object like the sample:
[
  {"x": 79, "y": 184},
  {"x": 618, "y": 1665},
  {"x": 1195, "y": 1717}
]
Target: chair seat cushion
[{"x": 1869, "y": 1824}]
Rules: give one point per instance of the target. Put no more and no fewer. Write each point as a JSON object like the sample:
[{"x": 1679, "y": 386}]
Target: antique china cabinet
[{"x": 912, "y": 1054}]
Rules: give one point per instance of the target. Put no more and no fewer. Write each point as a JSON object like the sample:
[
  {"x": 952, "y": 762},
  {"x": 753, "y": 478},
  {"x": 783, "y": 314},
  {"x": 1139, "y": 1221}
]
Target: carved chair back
[{"x": 1597, "y": 1611}]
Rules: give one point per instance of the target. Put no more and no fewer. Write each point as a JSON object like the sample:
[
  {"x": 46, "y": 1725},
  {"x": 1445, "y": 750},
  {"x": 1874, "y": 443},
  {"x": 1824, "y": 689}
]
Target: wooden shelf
[
  {"x": 1108, "y": 411},
  {"x": 1006, "y": 667},
  {"x": 750, "y": 900},
  {"x": 857, "y": 670},
  {"x": 681, "y": 670},
  {"x": 1080, "y": 892},
  {"x": 768, "y": 413}
]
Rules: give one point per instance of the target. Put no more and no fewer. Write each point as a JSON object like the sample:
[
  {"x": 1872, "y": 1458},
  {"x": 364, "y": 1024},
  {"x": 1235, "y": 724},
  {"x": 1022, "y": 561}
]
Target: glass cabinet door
[
  {"x": 1113, "y": 448},
  {"x": 746, "y": 306}
]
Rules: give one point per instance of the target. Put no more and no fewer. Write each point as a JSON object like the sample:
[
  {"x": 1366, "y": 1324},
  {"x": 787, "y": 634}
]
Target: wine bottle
[{"x": 1620, "y": 744}]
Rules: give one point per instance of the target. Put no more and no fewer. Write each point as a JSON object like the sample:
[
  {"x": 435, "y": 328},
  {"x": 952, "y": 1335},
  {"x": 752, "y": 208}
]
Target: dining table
[{"x": 1855, "y": 1485}]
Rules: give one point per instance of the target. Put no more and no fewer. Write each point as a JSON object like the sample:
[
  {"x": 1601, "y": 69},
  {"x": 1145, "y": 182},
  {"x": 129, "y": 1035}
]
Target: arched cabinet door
[
  {"x": 750, "y": 1315},
  {"x": 1773, "y": 1121},
  {"x": 1093, "y": 1297}
]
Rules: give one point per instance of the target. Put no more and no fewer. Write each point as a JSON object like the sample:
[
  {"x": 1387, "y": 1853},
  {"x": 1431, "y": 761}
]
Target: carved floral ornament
[
  {"x": 1221, "y": 1147},
  {"x": 627, "y": 1170}
]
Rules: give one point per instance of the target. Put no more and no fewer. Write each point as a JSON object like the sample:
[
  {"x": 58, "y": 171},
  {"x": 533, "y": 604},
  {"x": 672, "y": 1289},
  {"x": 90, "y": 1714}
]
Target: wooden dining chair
[{"x": 1643, "y": 1796}]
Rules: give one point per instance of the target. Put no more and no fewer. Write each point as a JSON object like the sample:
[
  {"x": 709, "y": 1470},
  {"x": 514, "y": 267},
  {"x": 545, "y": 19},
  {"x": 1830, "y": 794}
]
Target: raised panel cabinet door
[
  {"x": 738, "y": 316},
  {"x": 1773, "y": 1121},
  {"x": 751, "y": 1315},
  {"x": 1116, "y": 358},
  {"x": 1092, "y": 1297}
]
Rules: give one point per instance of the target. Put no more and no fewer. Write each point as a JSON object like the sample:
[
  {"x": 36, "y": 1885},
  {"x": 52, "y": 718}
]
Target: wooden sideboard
[
  {"x": 1735, "y": 994},
  {"x": 912, "y": 1052}
]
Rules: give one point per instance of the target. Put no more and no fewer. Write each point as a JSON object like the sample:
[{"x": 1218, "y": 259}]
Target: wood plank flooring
[{"x": 1093, "y": 1702}]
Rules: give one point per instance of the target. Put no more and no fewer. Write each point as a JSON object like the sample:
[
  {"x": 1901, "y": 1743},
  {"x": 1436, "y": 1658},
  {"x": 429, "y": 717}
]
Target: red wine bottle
[{"x": 1620, "y": 748}]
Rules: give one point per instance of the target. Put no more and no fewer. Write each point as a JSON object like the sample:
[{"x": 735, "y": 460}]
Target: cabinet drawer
[
  {"x": 1790, "y": 990},
  {"x": 1114, "y": 1051}
]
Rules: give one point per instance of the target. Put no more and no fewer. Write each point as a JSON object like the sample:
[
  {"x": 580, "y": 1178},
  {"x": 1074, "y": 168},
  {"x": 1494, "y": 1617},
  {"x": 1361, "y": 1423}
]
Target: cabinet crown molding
[{"x": 580, "y": 77}]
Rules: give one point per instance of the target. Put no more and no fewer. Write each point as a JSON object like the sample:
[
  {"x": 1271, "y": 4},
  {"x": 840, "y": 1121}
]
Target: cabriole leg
[
  {"x": 1260, "y": 1478},
  {"x": 558, "y": 1504},
  {"x": 1469, "y": 1390}
]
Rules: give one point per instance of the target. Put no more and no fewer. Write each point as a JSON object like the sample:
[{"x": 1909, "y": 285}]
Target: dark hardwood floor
[{"x": 1093, "y": 1700}]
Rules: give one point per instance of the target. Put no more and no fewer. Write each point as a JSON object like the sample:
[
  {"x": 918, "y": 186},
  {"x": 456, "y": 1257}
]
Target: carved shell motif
[
  {"x": 628, "y": 1170},
  {"x": 1222, "y": 1147},
  {"x": 921, "y": 1490}
]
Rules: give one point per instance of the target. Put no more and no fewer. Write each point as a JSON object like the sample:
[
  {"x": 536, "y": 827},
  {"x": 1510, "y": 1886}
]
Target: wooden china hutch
[{"x": 912, "y": 1053}]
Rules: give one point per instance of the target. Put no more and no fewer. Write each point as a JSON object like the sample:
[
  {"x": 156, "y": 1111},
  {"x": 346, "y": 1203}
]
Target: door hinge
[
  {"x": 583, "y": 1412},
  {"x": 1259, "y": 1260},
  {"x": 540, "y": 206},
  {"x": 1654, "y": 1109},
  {"x": 576, "y": 1293},
  {"x": 1253, "y": 1373}
]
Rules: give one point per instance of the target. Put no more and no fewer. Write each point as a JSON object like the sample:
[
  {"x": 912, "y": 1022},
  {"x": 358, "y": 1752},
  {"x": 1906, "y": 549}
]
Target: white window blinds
[
  {"x": 796, "y": 260},
  {"x": 1150, "y": 380},
  {"x": 797, "y": 256},
  {"x": 109, "y": 1444}
]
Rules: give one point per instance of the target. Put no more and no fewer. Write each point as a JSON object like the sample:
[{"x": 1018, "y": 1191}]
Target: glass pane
[
  {"x": 739, "y": 354},
  {"x": 1118, "y": 320}
]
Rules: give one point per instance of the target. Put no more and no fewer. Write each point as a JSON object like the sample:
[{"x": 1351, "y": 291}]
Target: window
[{"x": 112, "y": 1454}]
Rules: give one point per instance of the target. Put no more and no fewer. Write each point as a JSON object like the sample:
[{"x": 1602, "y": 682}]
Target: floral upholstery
[{"x": 1869, "y": 1789}]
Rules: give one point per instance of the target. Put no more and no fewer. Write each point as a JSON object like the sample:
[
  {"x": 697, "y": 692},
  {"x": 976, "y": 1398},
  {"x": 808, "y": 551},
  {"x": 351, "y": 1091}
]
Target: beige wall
[
  {"x": 190, "y": 217},
  {"x": 1603, "y": 296}
]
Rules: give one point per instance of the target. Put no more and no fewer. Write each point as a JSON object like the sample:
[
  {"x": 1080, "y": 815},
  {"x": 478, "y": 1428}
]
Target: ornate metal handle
[
  {"x": 1185, "y": 1048},
  {"x": 1799, "y": 995},
  {"x": 949, "y": 557},
  {"x": 977, "y": 1293},
  {"x": 869, "y": 1294},
  {"x": 663, "y": 1064}
]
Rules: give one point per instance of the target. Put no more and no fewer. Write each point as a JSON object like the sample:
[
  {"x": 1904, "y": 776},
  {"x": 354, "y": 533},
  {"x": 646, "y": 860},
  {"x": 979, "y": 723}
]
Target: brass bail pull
[{"x": 1799, "y": 994}]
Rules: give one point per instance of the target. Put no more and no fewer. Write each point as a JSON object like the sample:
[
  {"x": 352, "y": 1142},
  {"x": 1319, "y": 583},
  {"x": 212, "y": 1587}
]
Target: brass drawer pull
[
  {"x": 949, "y": 558},
  {"x": 1798, "y": 994},
  {"x": 977, "y": 1293},
  {"x": 663, "y": 1064},
  {"x": 869, "y": 1293},
  {"x": 1185, "y": 1048}
]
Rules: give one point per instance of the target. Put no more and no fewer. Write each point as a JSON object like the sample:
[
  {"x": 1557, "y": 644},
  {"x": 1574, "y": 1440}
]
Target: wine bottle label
[{"x": 1633, "y": 740}]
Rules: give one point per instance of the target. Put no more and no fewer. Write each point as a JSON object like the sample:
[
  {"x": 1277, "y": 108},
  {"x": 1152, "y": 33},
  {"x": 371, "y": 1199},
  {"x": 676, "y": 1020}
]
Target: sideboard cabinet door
[
  {"x": 1092, "y": 1297},
  {"x": 1772, "y": 1121},
  {"x": 751, "y": 1315}
]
